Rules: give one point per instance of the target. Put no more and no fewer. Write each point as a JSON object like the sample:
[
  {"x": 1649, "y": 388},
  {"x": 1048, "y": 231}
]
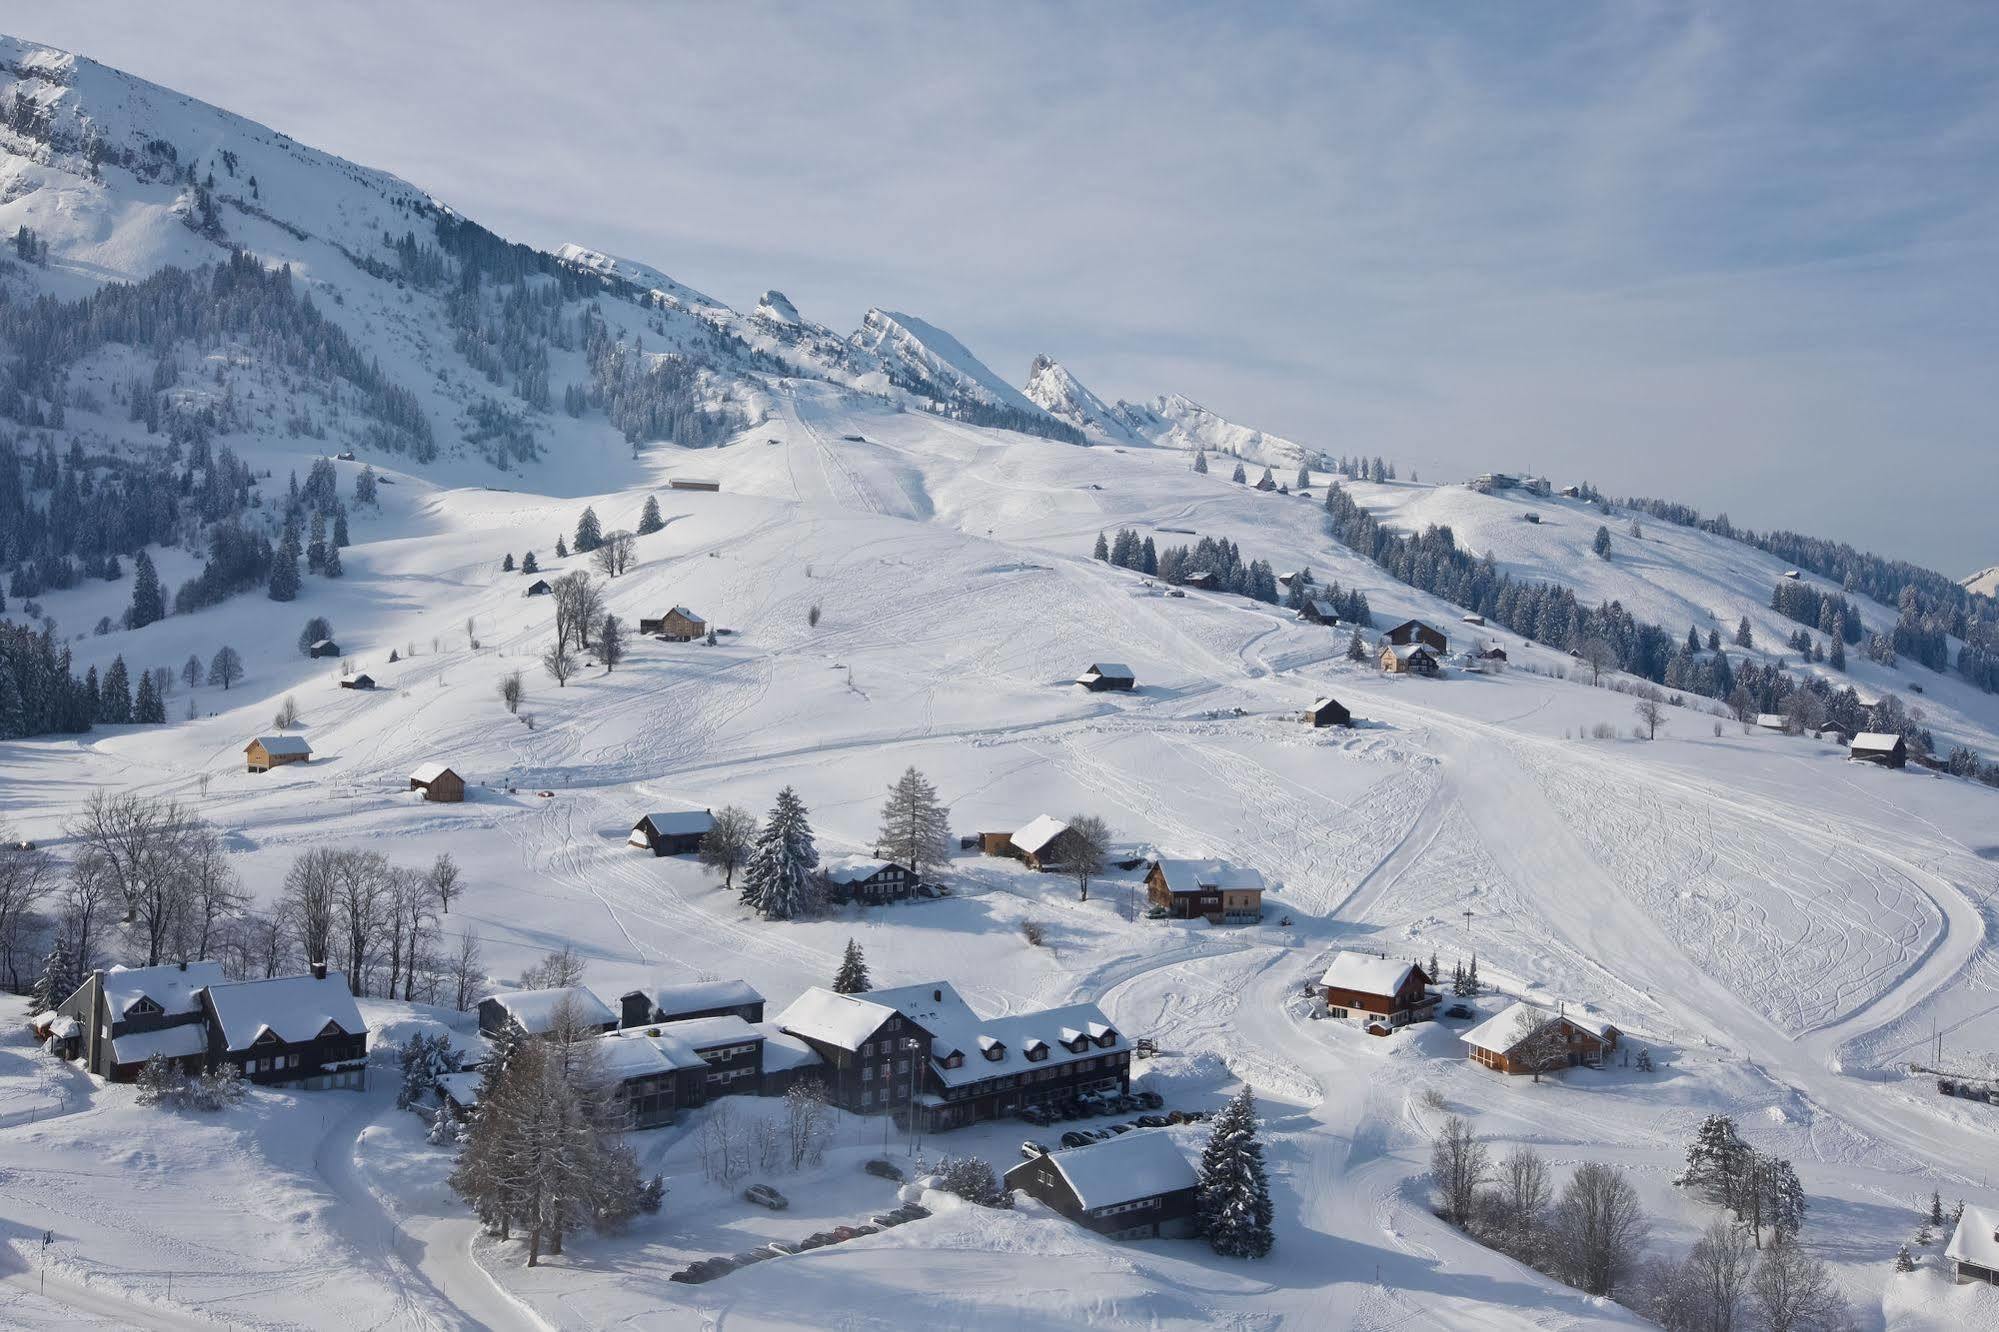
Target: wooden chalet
[
  {"x": 1136, "y": 1186},
  {"x": 1570, "y": 492},
  {"x": 438, "y": 783},
  {"x": 1201, "y": 579},
  {"x": 534, "y": 1012},
  {"x": 1379, "y": 993},
  {"x": 693, "y": 999},
  {"x": 1505, "y": 1040},
  {"x": 1473, "y": 619},
  {"x": 1043, "y": 844},
  {"x": 693, "y": 483},
  {"x": 358, "y": 680},
  {"x": 1409, "y": 659},
  {"x": 274, "y": 751},
  {"x": 1772, "y": 721},
  {"x": 1415, "y": 631},
  {"x": 1328, "y": 712},
  {"x": 126, "y": 1015},
  {"x": 538, "y": 588},
  {"x": 299, "y": 1030},
  {"x": 1889, "y": 751},
  {"x": 324, "y": 647},
  {"x": 868, "y": 880},
  {"x": 1319, "y": 610},
  {"x": 674, "y": 833},
  {"x": 678, "y": 625},
  {"x": 1973, "y": 1251},
  {"x": 920, "y": 1051},
  {"x": 1107, "y": 675},
  {"x": 1224, "y": 894}
]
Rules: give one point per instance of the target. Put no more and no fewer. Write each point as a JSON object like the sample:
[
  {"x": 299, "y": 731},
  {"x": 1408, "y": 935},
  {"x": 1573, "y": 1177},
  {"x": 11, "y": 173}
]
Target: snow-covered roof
[
  {"x": 1125, "y": 1169},
  {"x": 324, "y": 642},
  {"x": 461, "y": 1088},
  {"x": 1323, "y": 608},
  {"x": 705, "y": 1033},
  {"x": 357, "y": 677},
  {"x": 1770, "y": 721},
  {"x": 1019, "y": 1032},
  {"x": 429, "y": 772},
  {"x": 784, "y": 1052},
  {"x": 1192, "y": 876},
  {"x": 1321, "y": 704},
  {"x": 843, "y": 1021},
  {"x": 699, "y": 997},
  {"x": 685, "y": 614},
  {"x": 534, "y": 1010},
  {"x": 294, "y": 1008},
  {"x": 1404, "y": 651},
  {"x": 1367, "y": 973},
  {"x": 1038, "y": 834},
  {"x": 636, "y": 1053},
  {"x": 931, "y": 1003},
  {"x": 853, "y": 869},
  {"x": 1976, "y": 1239},
  {"x": 169, "y": 985},
  {"x": 1879, "y": 741},
  {"x": 680, "y": 822},
  {"x": 1504, "y": 1029},
  {"x": 1108, "y": 670},
  {"x": 275, "y": 745},
  {"x": 189, "y": 1038}
]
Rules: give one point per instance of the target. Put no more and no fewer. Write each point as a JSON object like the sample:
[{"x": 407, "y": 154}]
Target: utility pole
[{"x": 1467, "y": 916}]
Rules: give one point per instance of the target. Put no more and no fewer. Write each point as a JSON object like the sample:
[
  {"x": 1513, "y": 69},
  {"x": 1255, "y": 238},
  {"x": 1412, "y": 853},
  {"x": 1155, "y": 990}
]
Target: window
[
  {"x": 868, "y": 1073},
  {"x": 144, "y": 1005}
]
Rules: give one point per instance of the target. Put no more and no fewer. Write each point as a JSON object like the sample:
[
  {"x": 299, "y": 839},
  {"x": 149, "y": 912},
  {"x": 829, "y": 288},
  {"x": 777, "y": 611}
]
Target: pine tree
[
  {"x": 59, "y": 975},
  {"x": 1601, "y": 544},
  {"x": 1103, "y": 550},
  {"x": 330, "y": 565},
  {"x": 853, "y": 976},
  {"x": 507, "y": 565},
  {"x": 1903, "y": 1261},
  {"x": 364, "y": 485},
  {"x": 649, "y": 519},
  {"x": 148, "y": 708},
  {"x": 561, "y": 551},
  {"x": 528, "y": 565},
  {"x": 589, "y": 535},
  {"x": 1356, "y": 649},
  {"x": 1201, "y": 461},
  {"x": 148, "y": 601},
  {"x": 1240, "y": 476},
  {"x": 915, "y": 828},
  {"x": 779, "y": 882},
  {"x": 1743, "y": 638},
  {"x": 340, "y": 540},
  {"x": 1148, "y": 557},
  {"x": 1718, "y": 1162},
  {"x": 1233, "y": 1195},
  {"x": 114, "y": 700},
  {"x": 284, "y": 567},
  {"x": 1304, "y": 477},
  {"x": 1936, "y": 1208}
]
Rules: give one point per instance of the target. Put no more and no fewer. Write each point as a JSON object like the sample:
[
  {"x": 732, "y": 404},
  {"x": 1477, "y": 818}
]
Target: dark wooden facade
[
  {"x": 670, "y": 840},
  {"x": 1411, "y": 1002},
  {"x": 1147, "y": 1217},
  {"x": 1328, "y": 712},
  {"x": 1415, "y": 631},
  {"x": 99, "y": 1028},
  {"x": 880, "y": 1074},
  {"x": 446, "y": 787},
  {"x": 890, "y": 883},
  {"x": 641, "y": 1008}
]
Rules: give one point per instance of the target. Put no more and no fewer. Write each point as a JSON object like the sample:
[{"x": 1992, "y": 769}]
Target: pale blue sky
[{"x": 1738, "y": 255}]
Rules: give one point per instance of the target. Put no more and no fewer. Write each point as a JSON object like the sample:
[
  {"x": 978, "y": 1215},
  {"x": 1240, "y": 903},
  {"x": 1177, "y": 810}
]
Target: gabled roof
[
  {"x": 685, "y": 614},
  {"x": 1321, "y": 704},
  {"x": 1367, "y": 973},
  {"x": 292, "y": 1008},
  {"x": 1191, "y": 876},
  {"x": 635, "y": 1053},
  {"x": 705, "y": 1033},
  {"x": 1504, "y": 1030},
  {"x": 430, "y": 772},
  {"x": 535, "y": 1010},
  {"x": 1876, "y": 741},
  {"x": 1976, "y": 1239},
  {"x": 930, "y": 1004},
  {"x": 1770, "y": 721},
  {"x": 1323, "y": 608},
  {"x": 784, "y": 1052},
  {"x": 1038, "y": 834},
  {"x": 189, "y": 1038},
  {"x": 671, "y": 1001},
  {"x": 680, "y": 822},
  {"x": 843, "y": 1021},
  {"x": 1018, "y": 1032},
  {"x": 357, "y": 677},
  {"x": 1125, "y": 1169},
  {"x": 166, "y": 985},
  {"x": 1404, "y": 651},
  {"x": 324, "y": 642},
  {"x": 275, "y": 745},
  {"x": 1108, "y": 670},
  {"x": 854, "y": 869}
]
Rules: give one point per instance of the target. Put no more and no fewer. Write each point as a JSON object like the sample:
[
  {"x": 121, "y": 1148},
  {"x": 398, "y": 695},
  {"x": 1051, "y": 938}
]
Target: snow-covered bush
[
  {"x": 973, "y": 1180},
  {"x": 424, "y": 1058}
]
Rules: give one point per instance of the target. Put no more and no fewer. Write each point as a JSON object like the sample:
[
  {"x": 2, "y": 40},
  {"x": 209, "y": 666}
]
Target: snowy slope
[
  {"x": 1055, "y": 390},
  {"x": 1177, "y": 422},
  {"x": 1985, "y": 582},
  {"x": 1783, "y": 931}
]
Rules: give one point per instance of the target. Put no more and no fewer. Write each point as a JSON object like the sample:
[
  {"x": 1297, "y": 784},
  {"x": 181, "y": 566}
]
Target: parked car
[
  {"x": 887, "y": 1220},
  {"x": 778, "y": 1247},
  {"x": 1126, "y": 1103},
  {"x": 1077, "y": 1138},
  {"x": 1121, "y": 1128},
  {"x": 1152, "y": 1121},
  {"x": 763, "y": 1195},
  {"x": 1031, "y": 1149},
  {"x": 866, "y": 1230},
  {"x": 1151, "y": 1100},
  {"x": 818, "y": 1240},
  {"x": 1037, "y": 1115},
  {"x": 1459, "y": 1011},
  {"x": 883, "y": 1169},
  {"x": 917, "y": 1211}
]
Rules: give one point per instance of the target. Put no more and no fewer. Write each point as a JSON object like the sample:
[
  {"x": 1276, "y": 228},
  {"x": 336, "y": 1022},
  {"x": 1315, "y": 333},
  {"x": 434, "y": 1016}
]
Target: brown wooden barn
[
  {"x": 693, "y": 483},
  {"x": 1408, "y": 659},
  {"x": 1137, "y": 1186},
  {"x": 324, "y": 647},
  {"x": 538, "y": 588},
  {"x": 274, "y": 751},
  {"x": 1506, "y": 1041},
  {"x": 679, "y": 625},
  {"x": 1879, "y": 747},
  {"x": 1415, "y": 631},
  {"x": 438, "y": 783},
  {"x": 1104, "y": 675},
  {"x": 1223, "y": 893},
  {"x": 1380, "y": 993},
  {"x": 358, "y": 680},
  {"x": 1328, "y": 712}
]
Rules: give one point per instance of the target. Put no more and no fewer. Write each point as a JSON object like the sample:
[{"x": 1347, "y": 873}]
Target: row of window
[
  {"x": 275, "y": 1064},
  {"x": 1142, "y": 1205}
]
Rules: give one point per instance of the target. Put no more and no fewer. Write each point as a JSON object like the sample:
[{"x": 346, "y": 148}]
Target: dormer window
[
  {"x": 266, "y": 1037},
  {"x": 142, "y": 1005},
  {"x": 1036, "y": 1052},
  {"x": 995, "y": 1051},
  {"x": 1107, "y": 1038},
  {"x": 331, "y": 1029}
]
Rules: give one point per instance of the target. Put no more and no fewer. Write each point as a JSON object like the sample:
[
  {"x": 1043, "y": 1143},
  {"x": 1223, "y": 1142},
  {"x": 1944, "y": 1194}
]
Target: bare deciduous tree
[
  {"x": 559, "y": 664},
  {"x": 1087, "y": 850},
  {"x": 1651, "y": 711},
  {"x": 308, "y": 901},
  {"x": 1461, "y": 1166},
  {"x": 611, "y": 643},
  {"x": 555, "y": 971},
  {"x": 1599, "y": 1229},
  {"x": 727, "y": 844},
  {"x": 1793, "y": 1292},
  {"x": 445, "y": 882},
  {"x": 579, "y": 606},
  {"x": 1599, "y": 656},
  {"x": 468, "y": 973},
  {"x": 511, "y": 691},
  {"x": 27, "y": 877}
]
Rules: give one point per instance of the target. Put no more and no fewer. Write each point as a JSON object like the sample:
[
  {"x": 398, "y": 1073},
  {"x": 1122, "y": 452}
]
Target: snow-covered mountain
[
  {"x": 1984, "y": 583},
  {"x": 1059, "y": 393},
  {"x": 1176, "y": 422}
]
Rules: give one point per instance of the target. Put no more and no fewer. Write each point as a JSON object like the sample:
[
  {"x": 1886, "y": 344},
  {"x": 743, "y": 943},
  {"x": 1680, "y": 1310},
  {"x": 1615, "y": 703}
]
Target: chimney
[
  {"x": 183, "y": 964},
  {"x": 936, "y": 996},
  {"x": 318, "y": 970}
]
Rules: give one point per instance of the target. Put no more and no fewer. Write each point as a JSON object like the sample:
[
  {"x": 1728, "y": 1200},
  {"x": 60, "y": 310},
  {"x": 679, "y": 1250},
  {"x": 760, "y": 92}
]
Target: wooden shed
[
  {"x": 358, "y": 680},
  {"x": 677, "y": 833},
  {"x": 693, "y": 483},
  {"x": 438, "y": 783},
  {"x": 325, "y": 647},
  {"x": 1328, "y": 712},
  {"x": 274, "y": 751},
  {"x": 1104, "y": 675},
  {"x": 1415, "y": 631},
  {"x": 679, "y": 625},
  {"x": 1879, "y": 747},
  {"x": 538, "y": 588}
]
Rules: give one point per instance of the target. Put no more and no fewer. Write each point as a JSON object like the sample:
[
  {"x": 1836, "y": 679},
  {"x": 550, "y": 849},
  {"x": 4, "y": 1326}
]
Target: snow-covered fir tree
[
  {"x": 1201, "y": 461},
  {"x": 1239, "y": 476},
  {"x": 148, "y": 600},
  {"x": 915, "y": 827},
  {"x": 1103, "y": 550},
  {"x": 780, "y": 881},
  {"x": 1718, "y": 1162},
  {"x": 649, "y": 519},
  {"x": 1233, "y": 1197},
  {"x": 853, "y": 974},
  {"x": 589, "y": 533}
]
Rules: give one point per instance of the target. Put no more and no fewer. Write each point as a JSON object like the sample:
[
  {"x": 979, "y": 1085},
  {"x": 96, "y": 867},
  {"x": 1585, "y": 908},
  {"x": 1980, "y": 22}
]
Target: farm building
[
  {"x": 672, "y": 834},
  {"x": 1225, "y": 894},
  {"x": 1136, "y": 1186},
  {"x": 1379, "y": 993},
  {"x": 1408, "y": 659},
  {"x": 1328, "y": 712},
  {"x": 1531, "y": 517},
  {"x": 693, "y": 999},
  {"x": 1201, "y": 579},
  {"x": 438, "y": 783},
  {"x": 1974, "y": 1246},
  {"x": 1104, "y": 675},
  {"x": 693, "y": 483},
  {"x": 533, "y": 1012},
  {"x": 1570, "y": 492},
  {"x": 1318, "y": 610},
  {"x": 324, "y": 647},
  {"x": 1512, "y": 1040},
  {"x": 1473, "y": 619},
  {"x": 1878, "y": 747},
  {"x": 1043, "y": 844},
  {"x": 358, "y": 680},
  {"x": 1771, "y": 721},
  {"x": 1415, "y": 631},
  {"x": 869, "y": 881},
  {"x": 679, "y": 625},
  {"x": 274, "y": 751},
  {"x": 538, "y": 588}
]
